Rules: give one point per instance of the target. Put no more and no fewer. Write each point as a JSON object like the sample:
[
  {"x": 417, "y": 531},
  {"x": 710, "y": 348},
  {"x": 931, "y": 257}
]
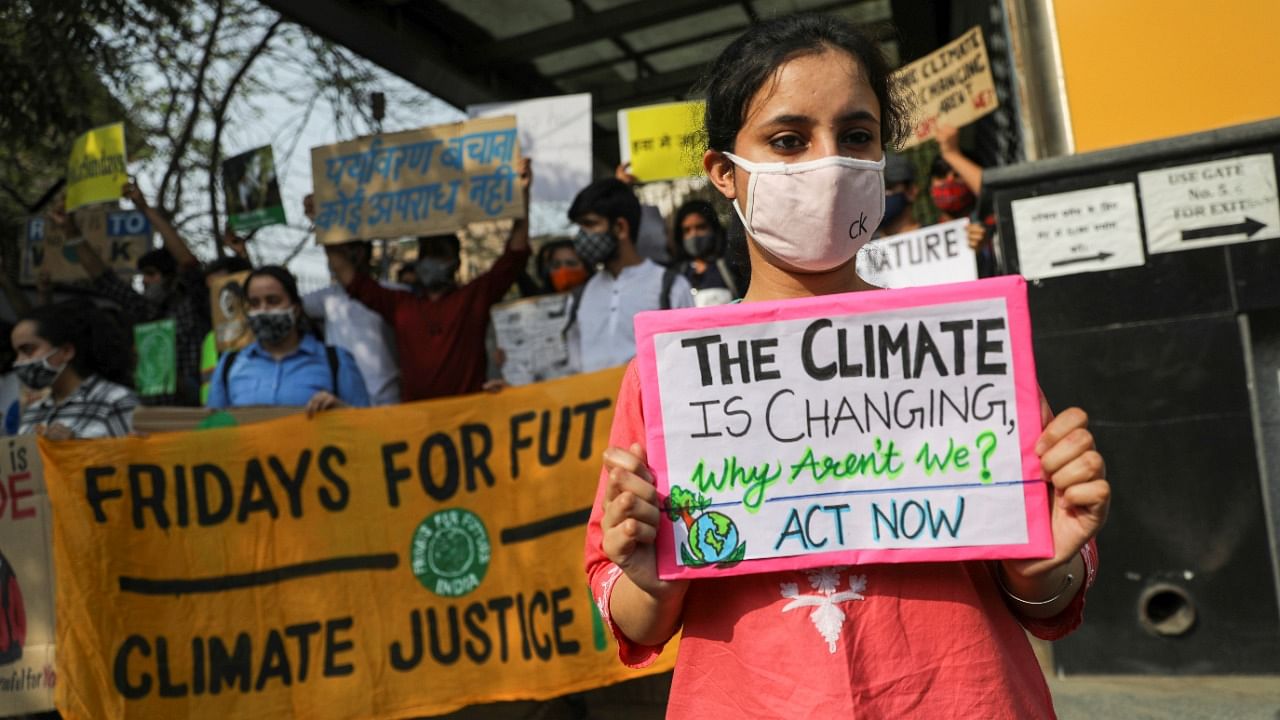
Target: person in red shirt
[
  {"x": 803, "y": 106},
  {"x": 440, "y": 326}
]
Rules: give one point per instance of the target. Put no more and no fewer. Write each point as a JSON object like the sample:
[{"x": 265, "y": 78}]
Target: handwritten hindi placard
[
  {"x": 871, "y": 427},
  {"x": 951, "y": 86},
  {"x": 419, "y": 182}
]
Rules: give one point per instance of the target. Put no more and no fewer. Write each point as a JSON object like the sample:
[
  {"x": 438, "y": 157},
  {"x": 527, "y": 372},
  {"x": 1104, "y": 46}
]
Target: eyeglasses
[{"x": 567, "y": 263}]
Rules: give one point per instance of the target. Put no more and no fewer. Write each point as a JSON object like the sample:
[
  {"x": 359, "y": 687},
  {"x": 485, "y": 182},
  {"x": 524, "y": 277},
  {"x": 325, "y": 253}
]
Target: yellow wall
[{"x": 1149, "y": 69}]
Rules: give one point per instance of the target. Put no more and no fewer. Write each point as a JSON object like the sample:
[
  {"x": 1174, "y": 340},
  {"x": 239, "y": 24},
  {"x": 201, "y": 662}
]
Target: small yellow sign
[
  {"x": 96, "y": 170},
  {"x": 662, "y": 141}
]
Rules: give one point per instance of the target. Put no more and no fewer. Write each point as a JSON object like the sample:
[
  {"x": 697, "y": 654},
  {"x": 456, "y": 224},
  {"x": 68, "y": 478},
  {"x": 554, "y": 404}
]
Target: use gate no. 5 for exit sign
[{"x": 1219, "y": 202}]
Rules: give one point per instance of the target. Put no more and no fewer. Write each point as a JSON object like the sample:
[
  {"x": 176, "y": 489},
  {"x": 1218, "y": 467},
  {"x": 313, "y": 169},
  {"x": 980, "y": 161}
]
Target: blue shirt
[{"x": 257, "y": 378}]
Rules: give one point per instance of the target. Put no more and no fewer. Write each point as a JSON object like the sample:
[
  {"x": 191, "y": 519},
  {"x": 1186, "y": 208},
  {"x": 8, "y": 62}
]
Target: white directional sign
[
  {"x": 1212, "y": 203},
  {"x": 1080, "y": 231}
]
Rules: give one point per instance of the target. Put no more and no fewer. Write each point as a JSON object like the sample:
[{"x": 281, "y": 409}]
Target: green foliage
[
  {"x": 685, "y": 502},
  {"x": 186, "y": 76}
]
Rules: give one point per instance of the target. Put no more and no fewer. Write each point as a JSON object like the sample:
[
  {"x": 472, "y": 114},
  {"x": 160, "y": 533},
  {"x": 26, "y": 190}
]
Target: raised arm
[
  {"x": 949, "y": 146},
  {"x": 173, "y": 242},
  {"x": 519, "y": 238}
]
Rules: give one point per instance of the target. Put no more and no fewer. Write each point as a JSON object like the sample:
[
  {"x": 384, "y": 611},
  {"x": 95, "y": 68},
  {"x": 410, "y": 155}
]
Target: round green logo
[{"x": 450, "y": 552}]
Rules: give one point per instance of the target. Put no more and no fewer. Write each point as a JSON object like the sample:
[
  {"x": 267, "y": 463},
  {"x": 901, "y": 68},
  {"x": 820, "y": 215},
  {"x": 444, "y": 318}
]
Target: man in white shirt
[
  {"x": 602, "y": 335},
  {"x": 352, "y": 326}
]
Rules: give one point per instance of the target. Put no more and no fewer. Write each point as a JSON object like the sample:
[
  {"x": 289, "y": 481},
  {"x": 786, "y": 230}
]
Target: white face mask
[{"x": 815, "y": 215}]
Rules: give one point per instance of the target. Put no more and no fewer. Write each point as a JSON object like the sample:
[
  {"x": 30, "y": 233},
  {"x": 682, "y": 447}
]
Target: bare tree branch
[
  {"x": 219, "y": 116},
  {"x": 206, "y": 60}
]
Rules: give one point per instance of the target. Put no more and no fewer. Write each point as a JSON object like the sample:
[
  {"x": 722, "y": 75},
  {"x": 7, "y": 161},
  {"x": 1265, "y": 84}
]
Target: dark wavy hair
[
  {"x": 742, "y": 69},
  {"x": 102, "y": 346},
  {"x": 281, "y": 274},
  {"x": 746, "y": 65}
]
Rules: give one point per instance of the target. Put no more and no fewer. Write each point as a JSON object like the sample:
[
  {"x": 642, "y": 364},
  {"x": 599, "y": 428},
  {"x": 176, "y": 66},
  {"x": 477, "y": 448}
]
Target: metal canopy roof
[{"x": 624, "y": 52}]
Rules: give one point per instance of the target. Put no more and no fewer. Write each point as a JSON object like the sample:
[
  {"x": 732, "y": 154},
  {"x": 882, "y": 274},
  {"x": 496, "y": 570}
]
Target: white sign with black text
[
  {"x": 1220, "y": 202},
  {"x": 1080, "y": 231},
  {"x": 531, "y": 335},
  {"x": 932, "y": 255}
]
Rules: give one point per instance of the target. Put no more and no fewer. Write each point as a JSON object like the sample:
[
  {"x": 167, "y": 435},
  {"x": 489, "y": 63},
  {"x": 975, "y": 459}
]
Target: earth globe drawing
[{"x": 713, "y": 537}]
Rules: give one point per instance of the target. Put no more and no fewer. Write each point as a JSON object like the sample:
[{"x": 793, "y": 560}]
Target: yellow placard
[
  {"x": 662, "y": 141},
  {"x": 385, "y": 563},
  {"x": 951, "y": 86},
  {"x": 97, "y": 168}
]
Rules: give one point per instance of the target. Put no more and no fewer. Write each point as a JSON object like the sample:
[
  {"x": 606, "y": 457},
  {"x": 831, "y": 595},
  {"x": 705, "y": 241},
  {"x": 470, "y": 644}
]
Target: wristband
[{"x": 1066, "y": 583}]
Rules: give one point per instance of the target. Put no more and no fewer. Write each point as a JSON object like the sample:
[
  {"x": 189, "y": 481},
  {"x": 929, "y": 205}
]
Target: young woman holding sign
[{"x": 799, "y": 111}]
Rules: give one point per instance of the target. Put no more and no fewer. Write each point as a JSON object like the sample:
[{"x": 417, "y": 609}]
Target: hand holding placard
[
  {"x": 867, "y": 427},
  {"x": 1079, "y": 506},
  {"x": 630, "y": 526}
]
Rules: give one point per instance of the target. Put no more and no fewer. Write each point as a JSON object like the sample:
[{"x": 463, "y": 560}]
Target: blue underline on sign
[{"x": 875, "y": 491}]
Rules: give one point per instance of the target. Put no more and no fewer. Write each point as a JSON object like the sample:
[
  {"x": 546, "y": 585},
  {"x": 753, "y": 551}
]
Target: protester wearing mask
[
  {"x": 956, "y": 182},
  {"x": 798, "y": 113},
  {"x": 607, "y": 214},
  {"x": 698, "y": 248},
  {"x": 352, "y": 326},
  {"x": 900, "y": 194},
  {"x": 564, "y": 270},
  {"x": 440, "y": 326},
  {"x": 80, "y": 355},
  {"x": 173, "y": 288},
  {"x": 285, "y": 365}
]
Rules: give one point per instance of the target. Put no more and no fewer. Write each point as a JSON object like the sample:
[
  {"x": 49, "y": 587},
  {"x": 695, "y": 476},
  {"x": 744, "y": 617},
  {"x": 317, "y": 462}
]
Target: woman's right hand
[{"x": 630, "y": 521}]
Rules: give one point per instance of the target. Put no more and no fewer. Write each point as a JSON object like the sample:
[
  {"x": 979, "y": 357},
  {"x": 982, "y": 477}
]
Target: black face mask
[
  {"x": 702, "y": 246},
  {"x": 434, "y": 273},
  {"x": 595, "y": 248}
]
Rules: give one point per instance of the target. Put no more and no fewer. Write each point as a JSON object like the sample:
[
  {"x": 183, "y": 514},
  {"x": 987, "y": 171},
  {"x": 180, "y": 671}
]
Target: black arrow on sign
[
  {"x": 1090, "y": 258},
  {"x": 1249, "y": 228}
]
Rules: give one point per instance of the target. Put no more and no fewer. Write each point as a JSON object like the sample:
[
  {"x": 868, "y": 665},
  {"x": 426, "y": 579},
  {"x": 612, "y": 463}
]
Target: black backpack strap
[
  {"x": 225, "y": 376},
  {"x": 575, "y": 299},
  {"x": 669, "y": 275},
  {"x": 332, "y": 353}
]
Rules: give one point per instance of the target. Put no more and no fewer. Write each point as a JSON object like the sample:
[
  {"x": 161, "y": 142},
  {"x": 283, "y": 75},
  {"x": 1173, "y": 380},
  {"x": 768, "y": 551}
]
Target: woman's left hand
[
  {"x": 1081, "y": 495},
  {"x": 322, "y": 401}
]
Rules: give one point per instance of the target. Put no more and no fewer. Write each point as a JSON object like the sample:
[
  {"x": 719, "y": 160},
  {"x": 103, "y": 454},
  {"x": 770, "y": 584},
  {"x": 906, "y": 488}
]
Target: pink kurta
[{"x": 873, "y": 641}]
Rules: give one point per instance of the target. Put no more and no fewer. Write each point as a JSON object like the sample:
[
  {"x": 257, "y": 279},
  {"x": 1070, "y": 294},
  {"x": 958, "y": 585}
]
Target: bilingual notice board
[{"x": 872, "y": 427}]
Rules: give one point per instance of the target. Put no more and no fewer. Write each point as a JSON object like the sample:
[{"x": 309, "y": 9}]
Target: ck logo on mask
[{"x": 860, "y": 224}]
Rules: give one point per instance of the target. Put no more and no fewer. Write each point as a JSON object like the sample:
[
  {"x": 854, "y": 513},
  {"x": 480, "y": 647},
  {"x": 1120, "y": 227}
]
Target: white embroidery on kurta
[
  {"x": 606, "y": 590},
  {"x": 827, "y": 615}
]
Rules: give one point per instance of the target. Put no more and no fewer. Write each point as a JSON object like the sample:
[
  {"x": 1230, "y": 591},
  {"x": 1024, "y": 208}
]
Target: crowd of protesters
[{"x": 364, "y": 341}]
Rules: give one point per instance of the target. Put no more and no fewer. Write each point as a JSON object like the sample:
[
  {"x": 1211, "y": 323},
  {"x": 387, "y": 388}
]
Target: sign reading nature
[
  {"x": 418, "y": 182},
  {"x": 881, "y": 426},
  {"x": 391, "y": 563}
]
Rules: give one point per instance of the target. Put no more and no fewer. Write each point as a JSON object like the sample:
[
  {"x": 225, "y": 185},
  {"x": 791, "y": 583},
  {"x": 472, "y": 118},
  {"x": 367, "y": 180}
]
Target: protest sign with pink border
[{"x": 872, "y": 427}]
